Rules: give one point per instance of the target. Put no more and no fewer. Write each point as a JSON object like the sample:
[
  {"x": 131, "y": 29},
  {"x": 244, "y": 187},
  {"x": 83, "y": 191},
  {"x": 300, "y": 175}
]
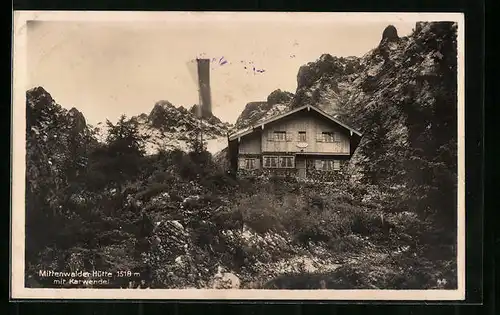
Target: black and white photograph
[{"x": 238, "y": 155}]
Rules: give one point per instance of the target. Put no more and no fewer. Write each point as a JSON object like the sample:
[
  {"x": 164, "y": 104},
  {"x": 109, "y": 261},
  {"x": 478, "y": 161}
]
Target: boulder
[{"x": 225, "y": 280}]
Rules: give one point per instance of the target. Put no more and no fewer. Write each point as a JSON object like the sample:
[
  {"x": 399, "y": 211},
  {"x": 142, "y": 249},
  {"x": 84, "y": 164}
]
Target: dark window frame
[
  {"x": 278, "y": 161},
  {"x": 252, "y": 163},
  {"x": 279, "y": 136},
  {"x": 328, "y": 165},
  {"x": 330, "y": 136},
  {"x": 302, "y": 136}
]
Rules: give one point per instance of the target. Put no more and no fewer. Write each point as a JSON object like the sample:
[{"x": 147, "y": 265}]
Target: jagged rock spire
[{"x": 390, "y": 33}]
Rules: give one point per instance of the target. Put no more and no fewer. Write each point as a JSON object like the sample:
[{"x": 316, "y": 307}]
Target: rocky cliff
[
  {"x": 277, "y": 102},
  {"x": 346, "y": 85},
  {"x": 417, "y": 69},
  {"x": 169, "y": 127},
  {"x": 55, "y": 138}
]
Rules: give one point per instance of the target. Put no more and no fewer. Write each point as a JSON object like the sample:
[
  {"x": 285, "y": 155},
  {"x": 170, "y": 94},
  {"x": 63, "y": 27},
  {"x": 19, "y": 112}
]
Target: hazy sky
[{"x": 105, "y": 69}]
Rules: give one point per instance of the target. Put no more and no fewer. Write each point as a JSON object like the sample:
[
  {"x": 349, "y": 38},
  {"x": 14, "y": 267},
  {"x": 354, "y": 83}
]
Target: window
[
  {"x": 249, "y": 164},
  {"x": 328, "y": 165},
  {"x": 270, "y": 161},
  {"x": 278, "y": 161},
  {"x": 267, "y": 161},
  {"x": 302, "y": 136},
  {"x": 329, "y": 137},
  {"x": 280, "y": 136},
  {"x": 286, "y": 162},
  {"x": 274, "y": 161},
  {"x": 336, "y": 165}
]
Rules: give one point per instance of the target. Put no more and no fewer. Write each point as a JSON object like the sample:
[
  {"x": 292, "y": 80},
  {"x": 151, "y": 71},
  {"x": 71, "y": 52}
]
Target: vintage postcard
[{"x": 239, "y": 156}]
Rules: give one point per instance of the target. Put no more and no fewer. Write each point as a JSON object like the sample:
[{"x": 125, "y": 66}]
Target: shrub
[
  {"x": 265, "y": 212},
  {"x": 189, "y": 170},
  {"x": 204, "y": 234},
  {"x": 370, "y": 223},
  {"x": 164, "y": 177},
  {"x": 152, "y": 190},
  {"x": 174, "y": 196},
  {"x": 350, "y": 243},
  {"x": 228, "y": 220},
  {"x": 317, "y": 201},
  {"x": 220, "y": 181},
  {"x": 260, "y": 214}
]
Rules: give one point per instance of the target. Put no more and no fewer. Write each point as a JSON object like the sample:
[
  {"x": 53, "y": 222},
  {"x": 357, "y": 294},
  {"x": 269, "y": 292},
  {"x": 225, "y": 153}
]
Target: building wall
[
  {"x": 312, "y": 173},
  {"x": 262, "y": 142},
  {"x": 313, "y": 125},
  {"x": 250, "y": 144}
]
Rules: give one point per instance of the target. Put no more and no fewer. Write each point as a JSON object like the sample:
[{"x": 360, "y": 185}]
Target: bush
[
  {"x": 189, "y": 170},
  {"x": 204, "y": 234},
  {"x": 350, "y": 243},
  {"x": 174, "y": 196},
  {"x": 164, "y": 178},
  {"x": 268, "y": 212},
  {"x": 260, "y": 214},
  {"x": 312, "y": 219},
  {"x": 152, "y": 190},
  {"x": 228, "y": 220},
  {"x": 317, "y": 202},
  {"x": 219, "y": 182}
]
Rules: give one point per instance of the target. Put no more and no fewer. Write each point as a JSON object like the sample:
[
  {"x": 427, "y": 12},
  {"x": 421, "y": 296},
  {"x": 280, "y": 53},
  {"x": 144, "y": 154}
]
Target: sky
[{"x": 108, "y": 68}]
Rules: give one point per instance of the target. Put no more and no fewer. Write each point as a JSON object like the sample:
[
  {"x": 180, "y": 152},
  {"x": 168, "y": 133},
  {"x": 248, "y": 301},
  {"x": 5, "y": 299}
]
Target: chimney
[{"x": 204, "y": 85}]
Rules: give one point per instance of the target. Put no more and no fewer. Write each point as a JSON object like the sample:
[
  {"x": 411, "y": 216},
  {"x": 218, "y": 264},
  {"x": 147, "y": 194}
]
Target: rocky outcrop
[
  {"x": 322, "y": 83},
  {"x": 345, "y": 85},
  {"x": 169, "y": 127},
  {"x": 279, "y": 97},
  {"x": 77, "y": 120},
  {"x": 390, "y": 34},
  {"x": 277, "y": 102}
]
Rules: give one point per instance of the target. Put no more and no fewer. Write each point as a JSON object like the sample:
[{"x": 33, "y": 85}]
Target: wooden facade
[
  {"x": 306, "y": 129},
  {"x": 299, "y": 143}
]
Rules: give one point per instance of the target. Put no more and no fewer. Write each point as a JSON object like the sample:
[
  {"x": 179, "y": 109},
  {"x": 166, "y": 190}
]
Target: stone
[{"x": 390, "y": 33}]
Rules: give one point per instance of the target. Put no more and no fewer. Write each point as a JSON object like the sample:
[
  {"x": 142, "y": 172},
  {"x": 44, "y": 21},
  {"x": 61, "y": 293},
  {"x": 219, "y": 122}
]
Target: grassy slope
[{"x": 283, "y": 234}]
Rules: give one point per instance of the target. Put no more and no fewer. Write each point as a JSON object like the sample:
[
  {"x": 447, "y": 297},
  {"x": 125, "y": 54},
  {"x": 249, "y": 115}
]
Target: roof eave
[{"x": 308, "y": 107}]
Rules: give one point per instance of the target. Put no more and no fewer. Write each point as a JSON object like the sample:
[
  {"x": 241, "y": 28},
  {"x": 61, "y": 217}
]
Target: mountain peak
[
  {"x": 77, "y": 119},
  {"x": 38, "y": 95},
  {"x": 390, "y": 34},
  {"x": 279, "y": 97},
  {"x": 37, "y": 89},
  {"x": 163, "y": 104}
]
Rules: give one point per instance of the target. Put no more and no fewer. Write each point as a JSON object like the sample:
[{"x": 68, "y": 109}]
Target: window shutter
[
  {"x": 336, "y": 165},
  {"x": 270, "y": 136},
  {"x": 289, "y": 136},
  {"x": 274, "y": 161},
  {"x": 241, "y": 164},
  {"x": 302, "y": 136},
  {"x": 319, "y": 137},
  {"x": 265, "y": 161},
  {"x": 318, "y": 164},
  {"x": 336, "y": 136},
  {"x": 257, "y": 163}
]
